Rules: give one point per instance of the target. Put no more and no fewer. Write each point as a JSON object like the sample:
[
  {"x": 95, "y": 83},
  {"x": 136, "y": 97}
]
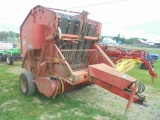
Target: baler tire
[
  {"x": 27, "y": 86},
  {"x": 9, "y": 60}
]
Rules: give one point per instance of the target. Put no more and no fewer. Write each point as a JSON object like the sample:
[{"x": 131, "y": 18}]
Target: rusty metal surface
[
  {"x": 51, "y": 87},
  {"x": 110, "y": 75},
  {"x": 46, "y": 87},
  {"x": 64, "y": 36},
  {"x": 103, "y": 57}
]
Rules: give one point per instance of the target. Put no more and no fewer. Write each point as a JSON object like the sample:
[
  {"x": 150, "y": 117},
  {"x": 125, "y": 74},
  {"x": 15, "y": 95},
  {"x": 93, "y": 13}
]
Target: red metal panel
[
  {"x": 110, "y": 75},
  {"x": 27, "y": 35},
  {"x": 115, "y": 90},
  {"x": 105, "y": 58},
  {"x": 39, "y": 36},
  {"x": 47, "y": 87}
]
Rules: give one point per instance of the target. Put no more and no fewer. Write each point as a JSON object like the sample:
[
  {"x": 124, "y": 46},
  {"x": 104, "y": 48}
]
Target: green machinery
[{"x": 9, "y": 56}]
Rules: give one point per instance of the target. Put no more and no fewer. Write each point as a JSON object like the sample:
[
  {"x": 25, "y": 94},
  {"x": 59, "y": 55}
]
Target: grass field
[
  {"x": 151, "y": 50},
  {"x": 90, "y": 103}
]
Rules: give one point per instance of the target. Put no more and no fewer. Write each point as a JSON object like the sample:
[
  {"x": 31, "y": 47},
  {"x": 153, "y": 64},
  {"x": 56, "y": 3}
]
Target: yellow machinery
[{"x": 124, "y": 65}]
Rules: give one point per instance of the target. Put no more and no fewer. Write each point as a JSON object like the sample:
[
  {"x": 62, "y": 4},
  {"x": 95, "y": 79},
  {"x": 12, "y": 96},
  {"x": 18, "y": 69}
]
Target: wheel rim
[
  {"x": 7, "y": 60},
  {"x": 23, "y": 85}
]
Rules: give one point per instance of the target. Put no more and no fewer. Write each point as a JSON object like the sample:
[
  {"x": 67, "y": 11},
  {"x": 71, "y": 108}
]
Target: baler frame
[{"x": 57, "y": 68}]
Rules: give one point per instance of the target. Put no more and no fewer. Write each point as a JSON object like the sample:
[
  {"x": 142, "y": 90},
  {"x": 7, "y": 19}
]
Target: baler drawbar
[{"x": 61, "y": 53}]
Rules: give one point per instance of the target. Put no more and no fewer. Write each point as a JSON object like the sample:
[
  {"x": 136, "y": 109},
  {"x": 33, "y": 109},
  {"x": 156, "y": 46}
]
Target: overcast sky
[{"x": 131, "y": 18}]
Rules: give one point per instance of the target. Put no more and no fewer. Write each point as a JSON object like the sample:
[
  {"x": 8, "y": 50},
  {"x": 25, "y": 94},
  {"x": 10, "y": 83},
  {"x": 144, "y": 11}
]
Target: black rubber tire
[
  {"x": 9, "y": 60},
  {"x": 143, "y": 67},
  {"x": 27, "y": 86}
]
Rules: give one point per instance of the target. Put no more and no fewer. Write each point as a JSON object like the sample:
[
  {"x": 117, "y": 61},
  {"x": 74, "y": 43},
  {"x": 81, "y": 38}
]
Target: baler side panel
[
  {"x": 27, "y": 35},
  {"x": 47, "y": 18},
  {"x": 44, "y": 25},
  {"x": 39, "y": 35}
]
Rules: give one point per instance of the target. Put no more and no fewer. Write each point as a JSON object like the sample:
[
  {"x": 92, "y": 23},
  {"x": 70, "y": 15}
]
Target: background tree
[
  {"x": 6, "y": 36},
  {"x": 130, "y": 40}
]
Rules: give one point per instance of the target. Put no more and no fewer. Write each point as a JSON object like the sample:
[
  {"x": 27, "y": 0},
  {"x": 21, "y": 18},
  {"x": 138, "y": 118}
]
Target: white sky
[{"x": 115, "y": 17}]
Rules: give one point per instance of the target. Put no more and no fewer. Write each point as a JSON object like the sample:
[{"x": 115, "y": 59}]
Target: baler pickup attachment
[
  {"x": 116, "y": 82},
  {"x": 132, "y": 55}
]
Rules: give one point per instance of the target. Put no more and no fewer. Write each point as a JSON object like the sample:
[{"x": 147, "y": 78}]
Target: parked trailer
[{"x": 60, "y": 52}]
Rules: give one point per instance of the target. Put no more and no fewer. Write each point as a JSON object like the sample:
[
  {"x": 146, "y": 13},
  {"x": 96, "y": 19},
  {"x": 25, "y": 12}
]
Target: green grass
[
  {"x": 151, "y": 50},
  {"x": 144, "y": 77},
  {"x": 14, "y": 105}
]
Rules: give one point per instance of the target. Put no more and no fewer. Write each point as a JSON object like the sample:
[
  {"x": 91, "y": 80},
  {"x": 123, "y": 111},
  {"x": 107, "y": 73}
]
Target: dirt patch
[
  {"x": 102, "y": 98},
  {"x": 98, "y": 117},
  {"x": 51, "y": 117},
  {"x": 9, "y": 102},
  {"x": 4, "y": 90},
  {"x": 36, "y": 100},
  {"x": 16, "y": 70},
  {"x": 47, "y": 117},
  {"x": 74, "y": 111}
]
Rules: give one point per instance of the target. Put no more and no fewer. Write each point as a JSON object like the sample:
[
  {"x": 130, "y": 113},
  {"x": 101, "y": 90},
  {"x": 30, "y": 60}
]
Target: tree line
[
  {"x": 9, "y": 36},
  {"x": 130, "y": 40}
]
